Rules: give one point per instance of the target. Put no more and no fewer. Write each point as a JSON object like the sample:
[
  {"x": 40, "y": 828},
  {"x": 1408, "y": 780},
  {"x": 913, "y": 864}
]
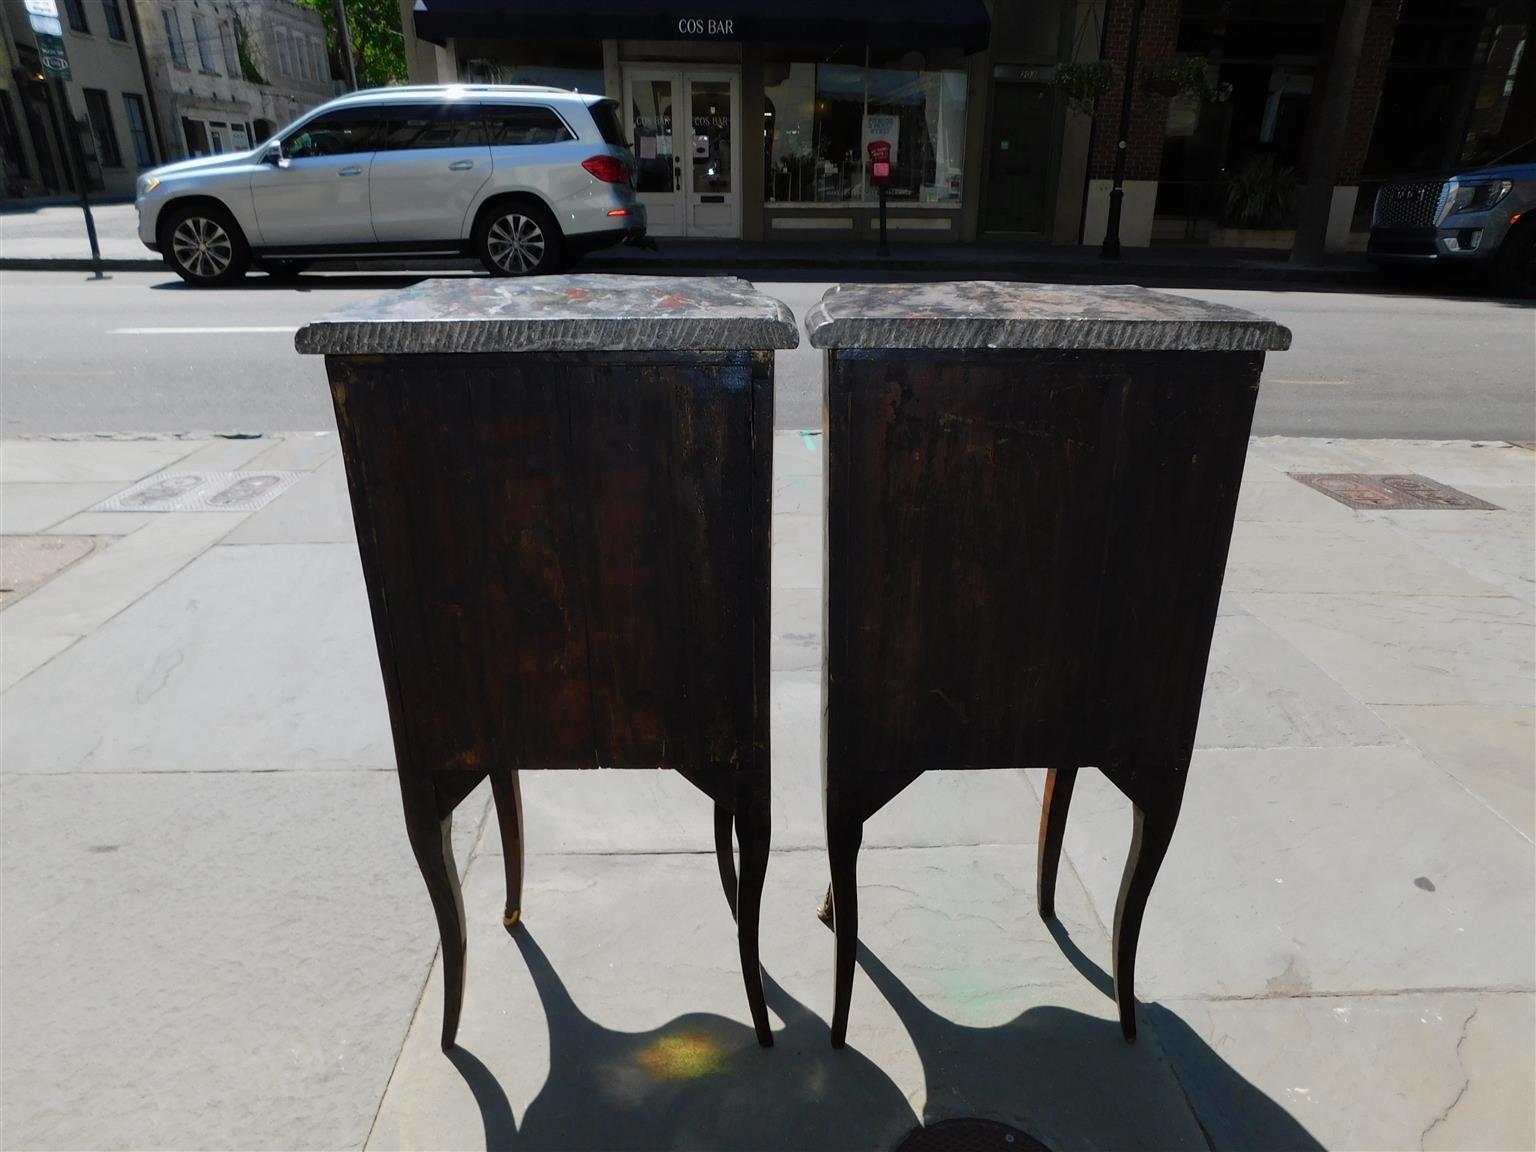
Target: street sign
[
  {"x": 43, "y": 15},
  {"x": 50, "y": 51}
]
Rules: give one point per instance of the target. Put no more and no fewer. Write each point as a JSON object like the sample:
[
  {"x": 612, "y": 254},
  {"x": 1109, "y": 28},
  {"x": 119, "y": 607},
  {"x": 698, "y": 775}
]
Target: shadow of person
[{"x": 700, "y": 1081}]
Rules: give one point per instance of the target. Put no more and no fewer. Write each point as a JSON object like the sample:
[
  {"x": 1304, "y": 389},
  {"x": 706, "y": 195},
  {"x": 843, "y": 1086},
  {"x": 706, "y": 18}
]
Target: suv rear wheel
[
  {"x": 517, "y": 239},
  {"x": 204, "y": 246}
]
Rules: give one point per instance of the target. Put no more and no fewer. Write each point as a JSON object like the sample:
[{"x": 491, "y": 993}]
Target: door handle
[
  {"x": 461, "y": 166},
  {"x": 350, "y": 171}
]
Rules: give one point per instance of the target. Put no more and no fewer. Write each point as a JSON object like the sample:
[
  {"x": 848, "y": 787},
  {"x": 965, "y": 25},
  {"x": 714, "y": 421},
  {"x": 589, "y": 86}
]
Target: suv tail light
[{"x": 608, "y": 169}]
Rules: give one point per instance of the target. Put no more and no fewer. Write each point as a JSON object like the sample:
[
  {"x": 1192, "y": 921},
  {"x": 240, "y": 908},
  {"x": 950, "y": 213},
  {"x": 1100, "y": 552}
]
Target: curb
[{"x": 72, "y": 264}]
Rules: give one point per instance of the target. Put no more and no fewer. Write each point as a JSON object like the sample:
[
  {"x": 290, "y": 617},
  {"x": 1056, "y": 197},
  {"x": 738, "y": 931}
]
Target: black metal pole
[
  {"x": 1111, "y": 247},
  {"x": 76, "y": 157},
  {"x": 885, "y": 248}
]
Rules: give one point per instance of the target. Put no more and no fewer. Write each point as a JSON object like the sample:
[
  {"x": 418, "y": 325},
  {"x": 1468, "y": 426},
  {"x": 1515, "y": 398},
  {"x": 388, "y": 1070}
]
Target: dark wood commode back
[
  {"x": 562, "y": 490},
  {"x": 1030, "y": 492}
]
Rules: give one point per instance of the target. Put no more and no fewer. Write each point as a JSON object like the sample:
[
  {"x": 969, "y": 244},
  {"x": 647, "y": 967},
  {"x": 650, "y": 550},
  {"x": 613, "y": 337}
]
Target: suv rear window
[
  {"x": 513, "y": 124},
  {"x": 605, "y": 114}
]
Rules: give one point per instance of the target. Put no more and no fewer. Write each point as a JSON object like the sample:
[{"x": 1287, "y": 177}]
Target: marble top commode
[
  {"x": 994, "y": 314},
  {"x": 600, "y": 313}
]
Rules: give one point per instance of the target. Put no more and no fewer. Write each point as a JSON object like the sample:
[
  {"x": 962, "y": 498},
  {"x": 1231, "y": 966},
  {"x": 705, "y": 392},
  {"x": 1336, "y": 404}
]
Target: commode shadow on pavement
[
  {"x": 701, "y": 1081},
  {"x": 698, "y": 1081},
  {"x": 1232, "y": 1112}
]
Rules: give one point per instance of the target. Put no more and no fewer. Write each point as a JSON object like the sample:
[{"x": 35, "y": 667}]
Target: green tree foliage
[{"x": 378, "y": 47}]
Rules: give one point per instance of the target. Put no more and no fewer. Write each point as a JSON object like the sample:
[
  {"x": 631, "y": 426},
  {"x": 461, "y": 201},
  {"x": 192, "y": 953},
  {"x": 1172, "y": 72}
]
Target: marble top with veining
[
  {"x": 992, "y": 314},
  {"x": 600, "y": 313}
]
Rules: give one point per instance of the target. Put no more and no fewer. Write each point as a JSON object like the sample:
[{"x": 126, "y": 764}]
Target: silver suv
[{"x": 524, "y": 178}]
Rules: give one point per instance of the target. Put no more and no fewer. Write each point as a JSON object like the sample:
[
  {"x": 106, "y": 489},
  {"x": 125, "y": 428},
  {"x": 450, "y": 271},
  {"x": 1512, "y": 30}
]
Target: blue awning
[{"x": 918, "y": 24}]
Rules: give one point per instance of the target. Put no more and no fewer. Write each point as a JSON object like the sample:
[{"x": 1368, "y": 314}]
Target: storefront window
[{"x": 820, "y": 118}]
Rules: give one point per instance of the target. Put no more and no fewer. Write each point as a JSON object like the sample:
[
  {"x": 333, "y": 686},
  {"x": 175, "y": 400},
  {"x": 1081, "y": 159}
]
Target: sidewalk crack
[{"x": 1465, "y": 1083}]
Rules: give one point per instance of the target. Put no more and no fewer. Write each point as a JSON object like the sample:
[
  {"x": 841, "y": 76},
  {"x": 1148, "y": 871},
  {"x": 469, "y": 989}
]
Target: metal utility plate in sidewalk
[
  {"x": 1390, "y": 493},
  {"x": 201, "y": 492}
]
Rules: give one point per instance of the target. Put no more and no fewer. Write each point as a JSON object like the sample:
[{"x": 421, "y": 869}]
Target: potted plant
[
  {"x": 1258, "y": 207},
  {"x": 1083, "y": 83}
]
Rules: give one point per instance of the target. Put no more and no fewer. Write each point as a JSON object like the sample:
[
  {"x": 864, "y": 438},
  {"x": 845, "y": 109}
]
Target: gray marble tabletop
[
  {"x": 993, "y": 314},
  {"x": 557, "y": 314}
]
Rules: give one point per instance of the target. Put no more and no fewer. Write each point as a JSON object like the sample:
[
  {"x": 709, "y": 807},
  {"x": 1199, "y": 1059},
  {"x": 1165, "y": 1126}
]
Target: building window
[
  {"x": 284, "y": 63},
  {"x": 75, "y": 10},
  {"x": 99, "y": 112},
  {"x": 114, "y": 15},
  {"x": 820, "y": 118},
  {"x": 138, "y": 129},
  {"x": 197, "y": 136},
  {"x": 227, "y": 43},
  {"x": 322, "y": 64},
  {"x": 301, "y": 56},
  {"x": 204, "y": 45},
  {"x": 173, "y": 39}
]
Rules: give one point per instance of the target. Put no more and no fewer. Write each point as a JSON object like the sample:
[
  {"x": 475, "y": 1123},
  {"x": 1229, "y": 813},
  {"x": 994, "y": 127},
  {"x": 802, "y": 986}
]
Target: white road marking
[{"x": 224, "y": 331}]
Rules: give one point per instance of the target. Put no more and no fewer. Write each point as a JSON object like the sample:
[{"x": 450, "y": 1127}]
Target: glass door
[
  {"x": 685, "y": 129},
  {"x": 649, "y": 95},
  {"x": 712, "y": 167}
]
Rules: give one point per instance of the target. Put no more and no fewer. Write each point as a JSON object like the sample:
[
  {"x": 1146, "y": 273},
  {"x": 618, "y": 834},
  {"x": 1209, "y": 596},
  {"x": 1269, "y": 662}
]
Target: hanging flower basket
[
  {"x": 1176, "y": 77},
  {"x": 1083, "y": 84}
]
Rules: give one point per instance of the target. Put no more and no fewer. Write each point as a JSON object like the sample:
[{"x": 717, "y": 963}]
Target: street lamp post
[{"x": 1111, "y": 246}]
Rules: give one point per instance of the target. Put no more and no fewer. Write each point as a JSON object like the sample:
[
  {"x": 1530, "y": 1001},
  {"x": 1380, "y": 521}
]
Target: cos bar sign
[{"x": 705, "y": 26}]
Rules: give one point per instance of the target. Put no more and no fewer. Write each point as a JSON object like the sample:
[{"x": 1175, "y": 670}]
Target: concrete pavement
[{"x": 214, "y": 934}]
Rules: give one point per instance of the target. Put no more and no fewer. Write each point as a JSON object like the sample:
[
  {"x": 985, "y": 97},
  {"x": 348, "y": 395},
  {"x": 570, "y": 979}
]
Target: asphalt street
[{"x": 139, "y": 352}]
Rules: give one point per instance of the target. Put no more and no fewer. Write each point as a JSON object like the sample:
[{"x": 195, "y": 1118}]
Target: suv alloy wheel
[
  {"x": 517, "y": 240},
  {"x": 204, "y": 246}
]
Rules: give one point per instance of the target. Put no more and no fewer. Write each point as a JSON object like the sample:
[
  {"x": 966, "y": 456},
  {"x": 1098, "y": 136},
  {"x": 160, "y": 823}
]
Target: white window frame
[
  {"x": 301, "y": 56},
  {"x": 205, "y": 56},
  {"x": 175, "y": 42},
  {"x": 227, "y": 44},
  {"x": 284, "y": 60}
]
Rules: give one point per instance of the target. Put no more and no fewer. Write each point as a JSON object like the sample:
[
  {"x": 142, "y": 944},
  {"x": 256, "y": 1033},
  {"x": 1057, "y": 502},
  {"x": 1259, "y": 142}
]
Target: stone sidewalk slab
[
  {"x": 194, "y": 675},
  {"x": 205, "y": 960},
  {"x": 1411, "y": 649}
]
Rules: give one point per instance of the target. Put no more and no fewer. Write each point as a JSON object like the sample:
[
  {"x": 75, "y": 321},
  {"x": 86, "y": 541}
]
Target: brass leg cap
[{"x": 511, "y": 917}]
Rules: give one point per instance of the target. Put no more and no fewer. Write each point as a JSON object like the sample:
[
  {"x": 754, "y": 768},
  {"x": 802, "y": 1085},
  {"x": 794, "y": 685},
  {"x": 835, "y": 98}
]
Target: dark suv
[{"x": 1484, "y": 218}]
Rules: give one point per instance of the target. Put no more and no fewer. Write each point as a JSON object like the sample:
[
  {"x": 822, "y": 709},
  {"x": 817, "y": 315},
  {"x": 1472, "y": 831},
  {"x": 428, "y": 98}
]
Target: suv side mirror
[{"x": 274, "y": 156}]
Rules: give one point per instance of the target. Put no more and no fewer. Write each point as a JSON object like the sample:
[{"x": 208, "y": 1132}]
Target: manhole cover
[
  {"x": 201, "y": 492},
  {"x": 1390, "y": 493},
  {"x": 970, "y": 1136}
]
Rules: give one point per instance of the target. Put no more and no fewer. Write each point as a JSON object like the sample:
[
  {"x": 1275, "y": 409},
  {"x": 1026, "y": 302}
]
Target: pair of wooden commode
[{"x": 562, "y": 489}]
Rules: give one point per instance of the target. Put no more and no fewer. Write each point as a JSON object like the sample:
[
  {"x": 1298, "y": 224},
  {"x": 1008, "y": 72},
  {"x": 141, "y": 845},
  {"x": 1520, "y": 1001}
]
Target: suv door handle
[
  {"x": 350, "y": 171},
  {"x": 461, "y": 166}
]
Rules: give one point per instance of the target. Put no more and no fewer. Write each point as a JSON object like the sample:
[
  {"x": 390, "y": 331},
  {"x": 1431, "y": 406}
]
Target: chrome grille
[{"x": 1412, "y": 205}]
